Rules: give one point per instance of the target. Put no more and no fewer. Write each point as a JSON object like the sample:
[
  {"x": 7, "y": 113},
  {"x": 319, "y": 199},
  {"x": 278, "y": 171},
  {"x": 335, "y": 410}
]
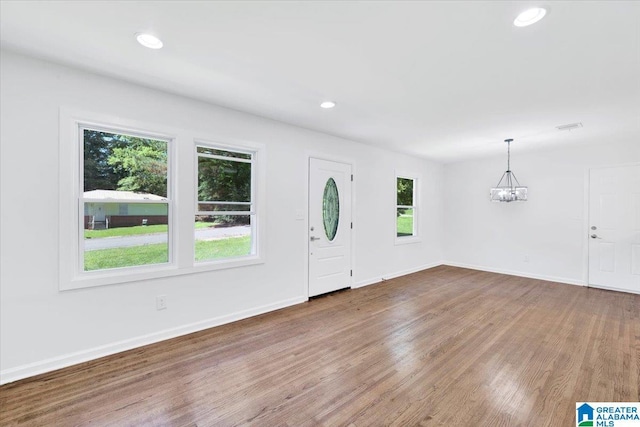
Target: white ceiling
[{"x": 442, "y": 80}]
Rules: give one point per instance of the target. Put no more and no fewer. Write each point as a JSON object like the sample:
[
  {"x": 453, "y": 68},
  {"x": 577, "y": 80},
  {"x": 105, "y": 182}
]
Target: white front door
[
  {"x": 614, "y": 228},
  {"x": 329, "y": 226}
]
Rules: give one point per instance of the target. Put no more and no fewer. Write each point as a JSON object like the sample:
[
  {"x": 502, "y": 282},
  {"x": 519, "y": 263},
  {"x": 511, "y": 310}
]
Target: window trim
[
  {"x": 71, "y": 208},
  {"x": 179, "y": 189},
  {"x": 415, "y": 238}
]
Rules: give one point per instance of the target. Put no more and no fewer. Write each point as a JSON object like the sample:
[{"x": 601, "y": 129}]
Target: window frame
[
  {"x": 255, "y": 254},
  {"x": 181, "y": 187},
  {"x": 82, "y": 201},
  {"x": 415, "y": 237}
]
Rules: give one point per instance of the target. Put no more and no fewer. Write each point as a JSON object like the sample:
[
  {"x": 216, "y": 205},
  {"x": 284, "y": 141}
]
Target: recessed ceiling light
[
  {"x": 328, "y": 104},
  {"x": 530, "y": 16},
  {"x": 149, "y": 40}
]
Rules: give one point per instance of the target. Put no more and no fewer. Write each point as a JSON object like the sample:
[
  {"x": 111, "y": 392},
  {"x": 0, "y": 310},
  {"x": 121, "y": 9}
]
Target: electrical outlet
[
  {"x": 526, "y": 258},
  {"x": 161, "y": 302}
]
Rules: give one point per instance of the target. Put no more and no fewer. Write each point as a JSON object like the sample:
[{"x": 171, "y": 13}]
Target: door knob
[
  {"x": 314, "y": 238},
  {"x": 595, "y": 236}
]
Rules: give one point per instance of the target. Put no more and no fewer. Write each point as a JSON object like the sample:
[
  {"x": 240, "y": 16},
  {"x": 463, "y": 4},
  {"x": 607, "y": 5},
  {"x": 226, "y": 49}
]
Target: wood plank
[{"x": 445, "y": 346}]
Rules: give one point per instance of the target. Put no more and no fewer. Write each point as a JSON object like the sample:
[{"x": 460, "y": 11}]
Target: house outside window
[{"x": 124, "y": 200}]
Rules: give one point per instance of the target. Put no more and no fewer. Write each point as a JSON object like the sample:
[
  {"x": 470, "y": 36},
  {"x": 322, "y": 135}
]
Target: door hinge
[
  {"x": 351, "y": 177},
  {"x": 351, "y": 273},
  {"x": 352, "y": 226}
]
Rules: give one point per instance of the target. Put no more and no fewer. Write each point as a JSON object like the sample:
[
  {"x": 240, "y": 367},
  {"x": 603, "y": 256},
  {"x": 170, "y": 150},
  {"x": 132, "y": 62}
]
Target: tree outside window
[{"x": 406, "y": 208}]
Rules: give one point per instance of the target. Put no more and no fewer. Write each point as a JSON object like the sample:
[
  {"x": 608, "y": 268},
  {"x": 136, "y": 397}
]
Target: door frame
[
  {"x": 338, "y": 159},
  {"x": 587, "y": 221}
]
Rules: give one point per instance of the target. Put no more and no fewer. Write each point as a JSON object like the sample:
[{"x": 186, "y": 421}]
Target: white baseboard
[
  {"x": 363, "y": 283},
  {"x": 47, "y": 365},
  {"x": 389, "y": 276},
  {"x": 611, "y": 288},
  {"x": 517, "y": 273}
]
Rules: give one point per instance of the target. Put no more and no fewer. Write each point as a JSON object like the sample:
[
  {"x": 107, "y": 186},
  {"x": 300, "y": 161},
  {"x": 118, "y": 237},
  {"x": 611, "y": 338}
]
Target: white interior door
[
  {"x": 329, "y": 226},
  {"x": 614, "y": 228}
]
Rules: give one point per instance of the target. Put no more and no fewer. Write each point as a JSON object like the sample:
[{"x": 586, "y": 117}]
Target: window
[
  {"x": 225, "y": 221},
  {"x": 406, "y": 208},
  {"x": 124, "y": 201},
  {"x": 119, "y": 218}
]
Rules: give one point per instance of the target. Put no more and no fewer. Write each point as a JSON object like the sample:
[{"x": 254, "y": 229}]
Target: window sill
[
  {"x": 127, "y": 275},
  {"x": 407, "y": 240}
]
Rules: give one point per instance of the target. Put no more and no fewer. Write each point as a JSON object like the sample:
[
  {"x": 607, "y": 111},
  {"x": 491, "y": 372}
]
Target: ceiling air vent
[{"x": 570, "y": 126}]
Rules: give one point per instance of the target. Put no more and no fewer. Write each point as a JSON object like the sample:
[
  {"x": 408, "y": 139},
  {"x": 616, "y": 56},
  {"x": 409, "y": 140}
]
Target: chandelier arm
[
  {"x": 500, "y": 182},
  {"x": 514, "y": 177}
]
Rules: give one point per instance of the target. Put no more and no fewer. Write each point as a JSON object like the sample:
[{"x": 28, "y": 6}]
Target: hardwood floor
[{"x": 446, "y": 346}]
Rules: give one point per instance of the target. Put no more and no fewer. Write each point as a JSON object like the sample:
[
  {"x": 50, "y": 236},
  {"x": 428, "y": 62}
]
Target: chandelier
[{"x": 508, "y": 188}]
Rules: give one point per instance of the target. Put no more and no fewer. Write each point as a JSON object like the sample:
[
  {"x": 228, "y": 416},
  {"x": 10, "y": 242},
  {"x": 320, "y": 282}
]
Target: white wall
[
  {"x": 550, "y": 228},
  {"x": 42, "y": 328}
]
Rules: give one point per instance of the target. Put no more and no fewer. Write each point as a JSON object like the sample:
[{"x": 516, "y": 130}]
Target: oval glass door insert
[{"x": 330, "y": 209}]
